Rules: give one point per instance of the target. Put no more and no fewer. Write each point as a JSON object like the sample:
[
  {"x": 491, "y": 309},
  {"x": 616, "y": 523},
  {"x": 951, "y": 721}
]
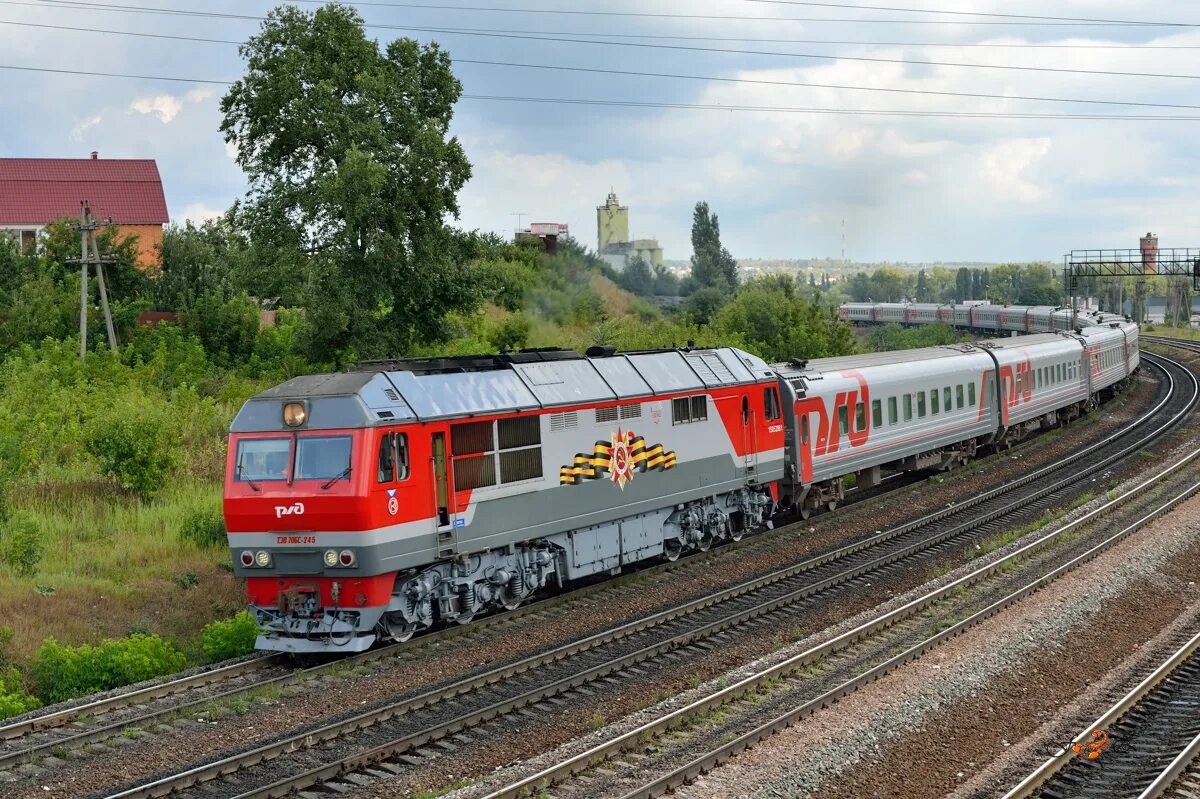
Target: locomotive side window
[
  {"x": 876, "y": 413},
  {"x": 892, "y": 416},
  {"x": 686, "y": 410},
  {"x": 804, "y": 429},
  {"x": 771, "y": 405},
  {"x": 393, "y": 457}
]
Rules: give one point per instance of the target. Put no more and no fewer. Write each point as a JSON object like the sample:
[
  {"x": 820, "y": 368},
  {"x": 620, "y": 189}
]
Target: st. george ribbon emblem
[{"x": 618, "y": 459}]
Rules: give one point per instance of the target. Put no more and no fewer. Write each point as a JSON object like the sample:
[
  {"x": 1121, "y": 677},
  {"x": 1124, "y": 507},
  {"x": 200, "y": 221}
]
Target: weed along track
[{"x": 401, "y": 736}]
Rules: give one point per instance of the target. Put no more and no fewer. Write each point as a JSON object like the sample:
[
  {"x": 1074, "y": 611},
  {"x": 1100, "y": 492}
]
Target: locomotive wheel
[
  {"x": 831, "y": 505},
  {"x": 705, "y": 543},
  {"x": 737, "y": 534},
  {"x": 671, "y": 550},
  {"x": 805, "y": 512},
  {"x": 402, "y": 632}
]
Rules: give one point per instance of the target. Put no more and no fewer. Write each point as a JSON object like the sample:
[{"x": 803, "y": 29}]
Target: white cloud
[
  {"x": 83, "y": 127},
  {"x": 231, "y": 150},
  {"x": 168, "y": 106},
  {"x": 199, "y": 213},
  {"x": 1007, "y": 168}
]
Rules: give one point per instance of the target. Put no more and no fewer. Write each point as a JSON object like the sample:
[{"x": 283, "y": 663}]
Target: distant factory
[{"x": 613, "y": 243}]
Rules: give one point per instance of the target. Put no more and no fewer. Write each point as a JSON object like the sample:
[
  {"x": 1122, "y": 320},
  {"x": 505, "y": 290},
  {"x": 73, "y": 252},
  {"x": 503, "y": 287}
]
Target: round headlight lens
[
  {"x": 263, "y": 558},
  {"x": 294, "y": 414},
  {"x": 331, "y": 557},
  {"x": 247, "y": 558},
  {"x": 347, "y": 557}
]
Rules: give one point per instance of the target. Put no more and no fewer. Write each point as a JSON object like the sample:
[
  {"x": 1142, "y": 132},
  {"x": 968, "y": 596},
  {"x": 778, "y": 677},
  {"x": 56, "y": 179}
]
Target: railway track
[
  {"x": 403, "y": 734},
  {"x": 1152, "y": 735},
  {"x": 620, "y": 766}
]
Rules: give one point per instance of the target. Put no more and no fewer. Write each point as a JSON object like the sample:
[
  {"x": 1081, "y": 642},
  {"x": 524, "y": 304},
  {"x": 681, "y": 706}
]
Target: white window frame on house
[{"x": 20, "y": 231}]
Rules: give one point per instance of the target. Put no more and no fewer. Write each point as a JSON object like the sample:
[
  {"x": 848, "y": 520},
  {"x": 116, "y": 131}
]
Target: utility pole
[
  {"x": 519, "y": 216},
  {"x": 90, "y": 255}
]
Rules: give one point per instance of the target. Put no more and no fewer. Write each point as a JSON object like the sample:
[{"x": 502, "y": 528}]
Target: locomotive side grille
[
  {"x": 606, "y": 415},
  {"x": 631, "y": 411},
  {"x": 568, "y": 420},
  {"x": 391, "y": 394}
]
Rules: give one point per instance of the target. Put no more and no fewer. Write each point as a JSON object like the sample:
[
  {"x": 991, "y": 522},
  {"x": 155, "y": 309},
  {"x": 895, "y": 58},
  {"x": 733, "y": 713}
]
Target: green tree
[
  {"x": 637, "y": 277},
  {"x": 350, "y": 164},
  {"x": 923, "y": 293},
  {"x": 712, "y": 265}
]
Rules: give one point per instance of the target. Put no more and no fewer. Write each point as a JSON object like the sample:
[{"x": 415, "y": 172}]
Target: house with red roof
[{"x": 37, "y": 191}]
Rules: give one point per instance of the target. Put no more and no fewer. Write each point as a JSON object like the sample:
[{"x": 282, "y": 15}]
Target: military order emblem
[
  {"x": 393, "y": 503},
  {"x": 618, "y": 459}
]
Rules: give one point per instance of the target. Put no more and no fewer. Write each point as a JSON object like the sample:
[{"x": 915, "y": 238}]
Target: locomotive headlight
[
  {"x": 295, "y": 414},
  {"x": 263, "y": 558},
  {"x": 331, "y": 558}
]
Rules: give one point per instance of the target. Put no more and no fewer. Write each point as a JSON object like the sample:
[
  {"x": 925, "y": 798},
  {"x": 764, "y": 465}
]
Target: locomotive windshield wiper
[
  {"x": 248, "y": 481},
  {"x": 345, "y": 473}
]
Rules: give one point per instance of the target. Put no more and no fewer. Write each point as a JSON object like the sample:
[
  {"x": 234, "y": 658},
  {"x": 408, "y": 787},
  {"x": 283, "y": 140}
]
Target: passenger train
[{"x": 372, "y": 504}]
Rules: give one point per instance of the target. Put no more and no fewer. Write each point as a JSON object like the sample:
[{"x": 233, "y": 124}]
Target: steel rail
[
  {"x": 1043, "y": 773},
  {"x": 282, "y": 787},
  {"x": 698, "y": 766}
]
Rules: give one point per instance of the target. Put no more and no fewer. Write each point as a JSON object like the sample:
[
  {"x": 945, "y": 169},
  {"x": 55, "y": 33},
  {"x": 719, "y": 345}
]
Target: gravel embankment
[{"x": 928, "y": 728}]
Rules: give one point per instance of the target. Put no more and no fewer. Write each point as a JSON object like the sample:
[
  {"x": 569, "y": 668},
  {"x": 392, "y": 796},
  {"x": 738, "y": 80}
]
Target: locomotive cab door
[
  {"x": 749, "y": 442},
  {"x": 444, "y": 519}
]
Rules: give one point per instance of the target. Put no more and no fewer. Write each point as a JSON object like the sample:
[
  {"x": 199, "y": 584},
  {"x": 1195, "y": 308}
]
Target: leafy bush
[
  {"x": 204, "y": 528},
  {"x": 24, "y": 550},
  {"x": 13, "y": 699},
  {"x": 133, "y": 448},
  {"x": 231, "y": 638},
  {"x": 64, "y": 672}
]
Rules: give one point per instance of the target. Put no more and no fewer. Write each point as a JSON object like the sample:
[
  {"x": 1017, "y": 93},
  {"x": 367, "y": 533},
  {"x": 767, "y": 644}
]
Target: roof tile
[{"x": 39, "y": 190}]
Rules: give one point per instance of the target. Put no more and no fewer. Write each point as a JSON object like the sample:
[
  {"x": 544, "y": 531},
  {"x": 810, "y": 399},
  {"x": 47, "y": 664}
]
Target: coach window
[
  {"x": 959, "y": 394},
  {"x": 844, "y": 419},
  {"x": 860, "y": 417},
  {"x": 920, "y": 404},
  {"x": 933, "y": 401},
  {"x": 892, "y": 415},
  {"x": 971, "y": 394},
  {"x": 876, "y": 413},
  {"x": 804, "y": 429},
  {"x": 908, "y": 407},
  {"x": 947, "y": 403}
]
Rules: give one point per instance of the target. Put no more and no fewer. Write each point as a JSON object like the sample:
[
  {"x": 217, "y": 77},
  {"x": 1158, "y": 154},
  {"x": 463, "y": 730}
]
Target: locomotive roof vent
[
  {"x": 601, "y": 351},
  {"x": 466, "y": 363}
]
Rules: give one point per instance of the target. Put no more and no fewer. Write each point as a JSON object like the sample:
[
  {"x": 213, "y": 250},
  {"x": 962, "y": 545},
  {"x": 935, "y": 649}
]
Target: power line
[
  {"x": 560, "y": 12},
  {"x": 798, "y": 84},
  {"x": 839, "y": 111},
  {"x": 1089, "y": 20},
  {"x": 817, "y": 56},
  {"x": 688, "y": 106},
  {"x": 675, "y": 76},
  {"x": 673, "y": 37}
]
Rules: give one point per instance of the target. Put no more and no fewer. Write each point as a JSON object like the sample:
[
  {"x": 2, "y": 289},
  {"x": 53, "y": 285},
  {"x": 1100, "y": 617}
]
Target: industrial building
[{"x": 613, "y": 242}]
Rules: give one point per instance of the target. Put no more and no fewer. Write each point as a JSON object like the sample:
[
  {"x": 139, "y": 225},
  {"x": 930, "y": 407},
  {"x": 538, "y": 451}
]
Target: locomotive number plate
[{"x": 296, "y": 539}]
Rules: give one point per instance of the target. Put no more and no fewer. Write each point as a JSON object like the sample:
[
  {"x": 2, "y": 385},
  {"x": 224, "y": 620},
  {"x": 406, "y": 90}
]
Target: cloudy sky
[{"x": 988, "y": 186}]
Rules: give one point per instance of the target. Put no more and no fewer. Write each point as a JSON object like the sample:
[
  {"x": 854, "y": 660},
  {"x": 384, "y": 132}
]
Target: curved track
[{"x": 401, "y": 734}]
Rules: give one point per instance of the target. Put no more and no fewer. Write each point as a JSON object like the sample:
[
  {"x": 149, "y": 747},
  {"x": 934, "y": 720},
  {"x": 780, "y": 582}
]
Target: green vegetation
[
  {"x": 231, "y": 638},
  {"x": 1008, "y": 284},
  {"x": 63, "y": 672}
]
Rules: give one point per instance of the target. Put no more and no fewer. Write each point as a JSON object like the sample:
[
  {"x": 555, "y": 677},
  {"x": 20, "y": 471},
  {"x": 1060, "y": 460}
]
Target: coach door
[{"x": 444, "y": 521}]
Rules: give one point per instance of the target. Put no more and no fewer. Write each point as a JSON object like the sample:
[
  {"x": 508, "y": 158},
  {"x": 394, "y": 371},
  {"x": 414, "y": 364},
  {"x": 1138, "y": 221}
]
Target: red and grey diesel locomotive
[{"x": 372, "y": 504}]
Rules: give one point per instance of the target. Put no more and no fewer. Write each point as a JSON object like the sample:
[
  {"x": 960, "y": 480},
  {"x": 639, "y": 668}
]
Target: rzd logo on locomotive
[
  {"x": 289, "y": 510},
  {"x": 618, "y": 459}
]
